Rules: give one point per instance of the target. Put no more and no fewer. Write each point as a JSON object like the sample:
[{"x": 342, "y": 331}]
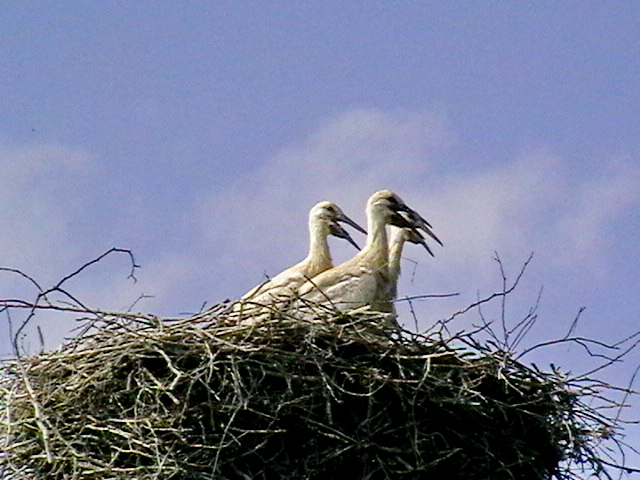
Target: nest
[{"x": 347, "y": 396}]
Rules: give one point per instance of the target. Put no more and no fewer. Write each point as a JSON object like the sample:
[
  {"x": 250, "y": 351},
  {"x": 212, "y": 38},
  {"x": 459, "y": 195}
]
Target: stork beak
[
  {"x": 416, "y": 221},
  {"x": 337, "y": 231},
  {"x": 341, "y": 217},
  {"x": 424, "y": 244},
  {"x": 399, "y": 220},
  {"x": 418, "y": 239}
]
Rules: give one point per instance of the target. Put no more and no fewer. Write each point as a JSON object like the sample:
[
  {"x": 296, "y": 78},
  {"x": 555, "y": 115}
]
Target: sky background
[{"x": 199, "y": 135}]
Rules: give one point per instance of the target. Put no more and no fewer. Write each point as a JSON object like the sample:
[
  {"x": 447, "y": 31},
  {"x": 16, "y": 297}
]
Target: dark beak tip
[
  {"x": 424, "y": 244},
  {"x": 348, "y": 238}
]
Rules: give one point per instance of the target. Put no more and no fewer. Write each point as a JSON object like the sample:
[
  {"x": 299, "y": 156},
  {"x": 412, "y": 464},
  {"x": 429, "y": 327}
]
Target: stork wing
[
  {"x": 344, "y": 289},
  {"x": 281, "y": 287}
]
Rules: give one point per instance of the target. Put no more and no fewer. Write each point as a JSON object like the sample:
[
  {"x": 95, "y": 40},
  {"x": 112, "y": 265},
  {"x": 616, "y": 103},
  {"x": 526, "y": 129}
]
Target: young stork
[
  {"x": 396, "y": 243},
  {"x": 365, "y": 279},
  {"x": 323, "y": 221}
]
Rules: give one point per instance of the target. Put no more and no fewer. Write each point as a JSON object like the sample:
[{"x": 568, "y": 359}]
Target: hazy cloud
[
  {"x": 257, "y": 224},
  {"x": 37, "y": 197},
  {"x": 261, "y": 218},
  {"x": 45, "y": 192},
  {"x": 595, "y": 205},
  {"x": 535, "y": 202}
]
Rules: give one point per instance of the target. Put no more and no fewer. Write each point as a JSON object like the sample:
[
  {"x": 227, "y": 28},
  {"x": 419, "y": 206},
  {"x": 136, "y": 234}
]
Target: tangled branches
[
  {"x": 144, "y": 398},
  {"x": 137, "y": 396}
]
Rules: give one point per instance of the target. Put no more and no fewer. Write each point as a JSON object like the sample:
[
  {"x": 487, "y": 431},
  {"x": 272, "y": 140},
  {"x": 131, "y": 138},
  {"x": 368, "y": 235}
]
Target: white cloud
[
  {"x": 36, "y": 199},
  {"x": 534, "y": 202},
  {"x": 595, "y": 206},
  {"x": 259, "y": 222},
  {"x": 36, "y": 202},
  {"x": 45, "y": 191}
]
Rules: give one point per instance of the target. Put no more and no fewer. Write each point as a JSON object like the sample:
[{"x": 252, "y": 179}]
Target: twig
[{"x": 502, "y": 293}]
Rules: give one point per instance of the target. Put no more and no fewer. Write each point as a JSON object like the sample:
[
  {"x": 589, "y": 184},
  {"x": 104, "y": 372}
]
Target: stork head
[
  {"x": 396, "y": 212},
  {"x": 384, "y": 203},
  {"x": 412, "y": 235},
  {"x": 328, "y": 214}
]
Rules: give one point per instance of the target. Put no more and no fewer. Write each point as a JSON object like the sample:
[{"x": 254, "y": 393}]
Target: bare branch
[
  {"x": 428, "y": 295},
  {"x": 134, "y": 265},
  {"x": 504, "y": 292},
  {"x": 137, "y": 396},
  {"x": 43, "y": 295},
  {"x": 23, "y": 275}
]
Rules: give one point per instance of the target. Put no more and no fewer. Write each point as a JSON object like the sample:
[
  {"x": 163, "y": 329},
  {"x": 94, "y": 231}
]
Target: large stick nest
[{"x": 344, "y": 397}]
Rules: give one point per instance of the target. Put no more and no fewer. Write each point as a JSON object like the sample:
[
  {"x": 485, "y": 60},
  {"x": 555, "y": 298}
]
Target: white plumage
[
  {"x": 399, "y": 236},
  {"x": 365, "y": 279},
  {"x": 323, "y": 221}
]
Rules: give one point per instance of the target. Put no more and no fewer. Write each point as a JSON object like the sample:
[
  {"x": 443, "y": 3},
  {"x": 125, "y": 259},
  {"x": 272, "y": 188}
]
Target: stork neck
[
  {"x": 377, "y": 237},
  {"x": 319, "y": 254},
  {"x": 395, "y": 254}
]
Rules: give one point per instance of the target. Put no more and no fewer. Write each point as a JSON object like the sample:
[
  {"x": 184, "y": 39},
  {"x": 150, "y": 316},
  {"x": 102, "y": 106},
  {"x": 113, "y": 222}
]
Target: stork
[
  {"x": 323, "y": 221},
  {"x": 396, "y": 243},
  {"x": 364, "y": 280}
]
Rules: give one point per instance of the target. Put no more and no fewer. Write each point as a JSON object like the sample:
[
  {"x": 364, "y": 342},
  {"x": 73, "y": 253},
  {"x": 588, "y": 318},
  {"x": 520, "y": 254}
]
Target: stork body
[
  {"x": 323, "y": 221},
  {"x": 365, "y": 279}
]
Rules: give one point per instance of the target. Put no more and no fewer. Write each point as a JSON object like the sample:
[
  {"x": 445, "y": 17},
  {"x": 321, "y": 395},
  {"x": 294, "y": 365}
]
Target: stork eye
[{"x": 393, "y": 202}]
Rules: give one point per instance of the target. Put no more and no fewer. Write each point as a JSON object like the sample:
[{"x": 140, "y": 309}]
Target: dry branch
[
  {"x": 141, "y": 397},
  {"x": 342, "y": 396}
]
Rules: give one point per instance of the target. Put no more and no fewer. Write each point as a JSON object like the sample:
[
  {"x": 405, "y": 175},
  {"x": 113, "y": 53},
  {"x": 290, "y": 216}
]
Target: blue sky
[{"x": 200, "y": 134}]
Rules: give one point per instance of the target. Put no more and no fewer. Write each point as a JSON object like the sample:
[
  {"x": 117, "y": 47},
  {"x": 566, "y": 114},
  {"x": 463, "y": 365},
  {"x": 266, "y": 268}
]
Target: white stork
[
  {"x": 323, "y": 221},
  {"x": 396, "y": 243},
  {"x": 364, "y": 280}
]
